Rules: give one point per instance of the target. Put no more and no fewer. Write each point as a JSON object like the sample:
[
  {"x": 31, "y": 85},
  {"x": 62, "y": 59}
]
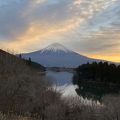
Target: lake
[
  {"x": 88, "y": 93},
  {"x": 63, "y": 82}
]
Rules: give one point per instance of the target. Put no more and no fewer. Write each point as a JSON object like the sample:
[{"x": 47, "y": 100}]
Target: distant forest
[
  {"x": 101, "y": 72},
  {"x": 97, "y": 80}
]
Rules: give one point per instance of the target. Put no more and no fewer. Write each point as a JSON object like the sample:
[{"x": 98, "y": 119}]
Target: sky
[{"x": 89, "y": 27}]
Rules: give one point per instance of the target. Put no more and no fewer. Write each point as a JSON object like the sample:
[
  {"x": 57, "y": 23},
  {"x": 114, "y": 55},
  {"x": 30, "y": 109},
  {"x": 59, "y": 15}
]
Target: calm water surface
[{"x": 63, "y": 82}]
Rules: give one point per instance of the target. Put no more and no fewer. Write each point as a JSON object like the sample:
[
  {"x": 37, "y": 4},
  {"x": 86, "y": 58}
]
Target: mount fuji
[{"x": 56, "y": 55}]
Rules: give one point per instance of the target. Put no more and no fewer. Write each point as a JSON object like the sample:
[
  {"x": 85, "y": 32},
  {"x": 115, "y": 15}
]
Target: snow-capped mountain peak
[
  {"x": 56, "y": 55},
  {"x": 55, "y": 47}
]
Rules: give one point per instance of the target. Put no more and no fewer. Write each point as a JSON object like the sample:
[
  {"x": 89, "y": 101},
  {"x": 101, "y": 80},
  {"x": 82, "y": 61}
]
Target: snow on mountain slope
[
  {"x": 56, "y": 47},
  {"x": 56, "y": 55}
]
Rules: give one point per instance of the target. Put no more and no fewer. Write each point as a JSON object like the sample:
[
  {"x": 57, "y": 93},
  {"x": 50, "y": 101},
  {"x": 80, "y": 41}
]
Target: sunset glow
[{"x": 89, "y": 27}]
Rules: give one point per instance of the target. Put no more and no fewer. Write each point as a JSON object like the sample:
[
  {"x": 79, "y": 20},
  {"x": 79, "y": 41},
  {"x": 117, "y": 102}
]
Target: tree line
[
  {"x": 101, "y": 72},
  {"x": 27, "y": 95}
]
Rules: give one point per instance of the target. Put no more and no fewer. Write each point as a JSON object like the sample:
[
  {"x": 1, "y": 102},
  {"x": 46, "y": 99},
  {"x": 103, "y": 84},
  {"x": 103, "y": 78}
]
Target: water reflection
[
  {"x": 95, "y": 91},
  {"x": 63, "y": 82}
]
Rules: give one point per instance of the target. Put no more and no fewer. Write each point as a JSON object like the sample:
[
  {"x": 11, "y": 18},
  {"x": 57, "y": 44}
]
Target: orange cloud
[
  {"x": 111, "y": 57},
  {"x": 79, "y": 21},
  {"x": 36, "y": 33}
]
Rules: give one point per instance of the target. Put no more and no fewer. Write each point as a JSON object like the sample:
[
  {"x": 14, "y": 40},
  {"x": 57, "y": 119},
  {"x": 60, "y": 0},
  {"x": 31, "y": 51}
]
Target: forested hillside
[
  {"x": 27, "y": 95},
  {"x": 99, "y": 72},
  {"x": 96, "y": 80}
]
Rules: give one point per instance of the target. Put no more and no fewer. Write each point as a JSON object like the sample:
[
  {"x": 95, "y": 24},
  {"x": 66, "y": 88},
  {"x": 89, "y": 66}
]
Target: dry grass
[
  {"x": 23, "y": 91},
  {"x": 13, "y": 117}
]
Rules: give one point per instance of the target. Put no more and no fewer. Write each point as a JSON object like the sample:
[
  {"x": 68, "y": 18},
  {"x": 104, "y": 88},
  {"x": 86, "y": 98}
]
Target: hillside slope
[{"x": 56, "y": 55}]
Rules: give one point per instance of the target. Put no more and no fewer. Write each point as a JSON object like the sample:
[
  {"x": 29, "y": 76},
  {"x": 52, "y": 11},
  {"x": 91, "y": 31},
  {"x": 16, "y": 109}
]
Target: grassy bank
[{"x": 24, "y": 95}]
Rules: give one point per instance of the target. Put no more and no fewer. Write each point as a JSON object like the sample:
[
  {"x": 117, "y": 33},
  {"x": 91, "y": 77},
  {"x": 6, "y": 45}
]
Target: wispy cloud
[{"x": 88, "y": 26}]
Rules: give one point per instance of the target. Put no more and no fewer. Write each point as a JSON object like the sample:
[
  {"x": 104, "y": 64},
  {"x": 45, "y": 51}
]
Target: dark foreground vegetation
[{"x": 25, "y": 94}]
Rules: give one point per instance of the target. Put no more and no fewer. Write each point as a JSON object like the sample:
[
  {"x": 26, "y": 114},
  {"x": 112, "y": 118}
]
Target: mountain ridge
[{"x": 57, "y": 55}]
